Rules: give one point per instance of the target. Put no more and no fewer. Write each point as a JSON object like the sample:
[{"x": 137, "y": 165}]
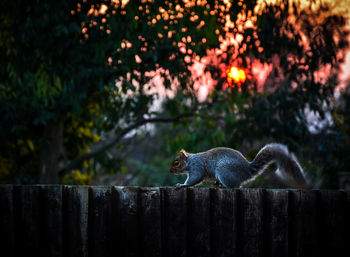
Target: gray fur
[
  {"x": 232, "y": 169},
  {"x": 288, "y": 167}
]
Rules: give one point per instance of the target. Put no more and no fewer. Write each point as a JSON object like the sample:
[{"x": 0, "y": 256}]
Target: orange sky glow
[
  {"x": 260, "y": 71},
  {"x": 203, "y": 82}
]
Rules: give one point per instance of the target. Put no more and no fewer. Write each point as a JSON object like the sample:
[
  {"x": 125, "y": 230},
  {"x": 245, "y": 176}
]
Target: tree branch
[{"x": 79, "y": 160}]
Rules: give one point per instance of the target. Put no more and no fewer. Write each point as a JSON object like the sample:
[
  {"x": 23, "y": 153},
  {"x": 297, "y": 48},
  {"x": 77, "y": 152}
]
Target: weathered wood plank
[
  {"x": 175, "y": 222},
  {"x": 331, "y": 221},
  {"x": 251, "y": 219},
  {"x": 302, "y": 223},
  {"x": 347, "y": 220},
  {"x": 7, "y": 242},
  {"x": 100, "y": 222},
  {"x": 125, "y": 221},
  {"x": 75, "y": 221},
  {"x": 151, "y": 222},
  {"x": 223, "y": 222},
  {"x": 126, "y": 212},
  {"x": 26, "y": 220},
  {"x": 50, "y": 220},
  {"x": 276, "y": 233},
  {"x": 199, "y": 242}
]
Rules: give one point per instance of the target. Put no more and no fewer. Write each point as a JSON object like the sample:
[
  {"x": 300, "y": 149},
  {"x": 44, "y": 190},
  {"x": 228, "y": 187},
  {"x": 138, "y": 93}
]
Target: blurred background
[{"x": 109, "y": 92}]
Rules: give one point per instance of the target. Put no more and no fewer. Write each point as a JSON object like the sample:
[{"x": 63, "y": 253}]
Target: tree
[
  {"x": 303, "y": 48},
  {"x": 301, "y": 45},
  {"x": 77, "y": 77},
  {"x": 59, "y": 65}
]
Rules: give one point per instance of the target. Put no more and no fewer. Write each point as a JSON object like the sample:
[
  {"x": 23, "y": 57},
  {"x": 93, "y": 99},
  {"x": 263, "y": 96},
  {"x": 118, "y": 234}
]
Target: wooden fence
[{"x": 130, "y": 221}]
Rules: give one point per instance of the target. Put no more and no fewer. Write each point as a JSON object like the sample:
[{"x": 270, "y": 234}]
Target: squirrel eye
[{"x": 176, "y": 163}]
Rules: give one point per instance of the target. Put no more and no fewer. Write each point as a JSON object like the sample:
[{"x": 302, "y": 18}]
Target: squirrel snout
[{"x": 174, "y": 170}]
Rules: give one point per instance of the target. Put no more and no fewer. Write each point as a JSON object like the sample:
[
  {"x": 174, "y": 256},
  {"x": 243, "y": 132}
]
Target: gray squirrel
[{"x": 230, "y": 168}]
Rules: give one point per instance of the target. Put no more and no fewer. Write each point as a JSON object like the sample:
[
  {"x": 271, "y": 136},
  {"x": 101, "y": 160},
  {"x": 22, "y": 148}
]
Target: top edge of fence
[{"x": 172, "y": 188}]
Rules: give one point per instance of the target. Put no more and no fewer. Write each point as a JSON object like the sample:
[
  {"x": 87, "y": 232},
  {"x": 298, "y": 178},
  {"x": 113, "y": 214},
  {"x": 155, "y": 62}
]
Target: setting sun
[{"x": 235, "y": 75}]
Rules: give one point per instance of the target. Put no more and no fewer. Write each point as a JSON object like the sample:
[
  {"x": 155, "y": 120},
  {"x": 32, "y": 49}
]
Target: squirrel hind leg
[{"x": 227, "y": 178}]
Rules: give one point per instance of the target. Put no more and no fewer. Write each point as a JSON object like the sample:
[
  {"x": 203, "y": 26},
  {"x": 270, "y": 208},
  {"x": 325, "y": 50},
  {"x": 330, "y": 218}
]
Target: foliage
[
  {"x": 76, "y": 177},
  {"x": 334, "y": 146},
  {"x": 59, "y": 64},
  {"x": 48, "y": 73},
  {"x": 300, "y": 45},
  {"x": 77, "y": 77},
  {"x": 342, "y": 126}
]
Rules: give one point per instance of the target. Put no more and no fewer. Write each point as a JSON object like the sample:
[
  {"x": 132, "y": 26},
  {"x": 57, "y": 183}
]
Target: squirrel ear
[{"x": 183, "y": 154}]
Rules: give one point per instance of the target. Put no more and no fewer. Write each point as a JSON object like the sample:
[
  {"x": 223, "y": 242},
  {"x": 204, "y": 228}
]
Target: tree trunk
[{"x": 51, "y": 151}]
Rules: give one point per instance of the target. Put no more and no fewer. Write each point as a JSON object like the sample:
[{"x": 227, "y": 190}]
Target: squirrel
[{"x": 231, "y": 169}]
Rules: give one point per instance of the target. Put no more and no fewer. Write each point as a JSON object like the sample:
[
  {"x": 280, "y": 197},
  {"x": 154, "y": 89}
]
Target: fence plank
[
  {"x": 251, "y": 218},
  {"x": 75, "y": 221},
  {"x": 126, "y": 211},
  {"x": 347, "y": 215},
  {"x": 302, "y": 223},
  {"x": 175, "y": 222},
  {"x": 26, "y": 220},
  {"x": 6, "y": 220},
  {"x": 100, "y": 221},
  {"x": 276, "y": 233},
  {"x": 151, "y": 222},
  {"x": 198, "y": 200},
  {"x": 331, "y": 218},
  {"x": 50, "y": 220},
  {"x": 223, "y": 222}
]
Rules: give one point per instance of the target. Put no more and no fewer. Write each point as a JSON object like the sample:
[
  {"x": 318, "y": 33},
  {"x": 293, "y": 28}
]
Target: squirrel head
[{"x": 178, "y": 164}]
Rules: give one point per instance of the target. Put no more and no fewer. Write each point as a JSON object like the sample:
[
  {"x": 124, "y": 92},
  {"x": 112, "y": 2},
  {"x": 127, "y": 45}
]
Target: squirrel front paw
[
  {"x": 178, "y": 186},
  {"x": 218, "y": 184}
]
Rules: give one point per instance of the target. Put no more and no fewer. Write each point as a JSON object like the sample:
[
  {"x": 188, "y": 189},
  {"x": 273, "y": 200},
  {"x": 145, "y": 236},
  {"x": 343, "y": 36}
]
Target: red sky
[{"x": 260, "y": 71}]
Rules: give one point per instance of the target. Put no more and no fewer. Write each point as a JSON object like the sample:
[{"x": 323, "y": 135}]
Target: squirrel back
[{"x": 231, "y": 168}]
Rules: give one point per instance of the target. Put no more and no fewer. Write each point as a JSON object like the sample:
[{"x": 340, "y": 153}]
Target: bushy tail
[{"x": 288, "y": 166}]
